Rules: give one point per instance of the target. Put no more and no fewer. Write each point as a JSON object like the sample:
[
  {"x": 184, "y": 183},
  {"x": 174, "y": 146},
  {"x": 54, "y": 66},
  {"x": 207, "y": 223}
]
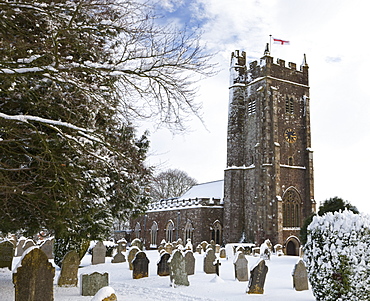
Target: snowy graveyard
[{"x": 202, "y": 286}]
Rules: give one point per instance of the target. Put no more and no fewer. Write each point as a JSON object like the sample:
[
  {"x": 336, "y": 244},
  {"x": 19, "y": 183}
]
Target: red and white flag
[{"x": 281, "y": 42}]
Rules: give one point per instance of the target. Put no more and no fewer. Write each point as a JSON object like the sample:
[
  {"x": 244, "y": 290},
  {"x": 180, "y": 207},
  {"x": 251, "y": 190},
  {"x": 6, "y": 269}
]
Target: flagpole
[{"x": 270, "y": 45}]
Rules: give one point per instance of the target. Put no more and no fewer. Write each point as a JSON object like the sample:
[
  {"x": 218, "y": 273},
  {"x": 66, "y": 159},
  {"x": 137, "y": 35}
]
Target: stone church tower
[{"x": 268, "y": 188}]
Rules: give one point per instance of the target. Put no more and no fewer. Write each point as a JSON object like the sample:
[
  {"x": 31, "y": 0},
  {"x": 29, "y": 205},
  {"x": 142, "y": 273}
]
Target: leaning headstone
[
  {"x": 209, "y": 259},
  {"x": 33, "y": 278},
  {"x": 140, "y": 266},
  {"x": 106, "y": 293},
  {"x": 137, "y": 243},
  {"x": 178, "y": 274},
  {"x": 241, "y": 267},
  {"x": 92, "y": 283},
  {"x": 163, "y": 268},
  {"x": 189, "y": 262},
  {"x": 47, "y": 248},
  {"x": 222, "y": 253},
  {"x": 98, "y": 253},
  {"x": 68, "y": 273},
  {"x": 19, "y": 249},
  {"x": 6, "y": 254},
  {"x": 258, "y": 277},
  {"x": 118, "y": 258},
  {"x": 300, "y": 278},
  {"x": 131, "y": 256}
]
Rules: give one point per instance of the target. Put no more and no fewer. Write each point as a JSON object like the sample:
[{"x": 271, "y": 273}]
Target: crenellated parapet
[{"x": 176, "y": 204}]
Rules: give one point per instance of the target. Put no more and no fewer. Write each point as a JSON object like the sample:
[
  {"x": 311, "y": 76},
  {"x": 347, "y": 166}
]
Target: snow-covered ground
[{"x": 205, "y": 287}]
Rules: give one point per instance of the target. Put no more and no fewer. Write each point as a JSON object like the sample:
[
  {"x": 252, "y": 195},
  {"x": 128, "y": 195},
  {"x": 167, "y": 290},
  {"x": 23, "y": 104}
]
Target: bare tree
[{"x": 170, "y": 183}]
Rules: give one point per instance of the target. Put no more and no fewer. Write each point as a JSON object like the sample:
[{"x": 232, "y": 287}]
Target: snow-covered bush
[{"x": 337, "y": 256}]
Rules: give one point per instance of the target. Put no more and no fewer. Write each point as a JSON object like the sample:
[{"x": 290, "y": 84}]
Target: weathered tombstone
[
  {"x": 47, "y": 248},
  {"x": 28, "y": 243},
  {"x": 279, "y": 250},
  {"x": 178, "y": 274},
  {"x": 258, "y": 277},
  {"x": 106, "y": 293},
  {"x": 217, "y": 248},
  {"x": 163, "y": 268},
  {"x": 92, "y": 283},
  {"x": 209, "y": 259},
  {"x": 189, "y": 245},
  {"x": 98, "y": 253},
  {"x": 131, "y": 256},
  {"x": 300, "y": 278},
  {"x": 118, "y": 258},
  {"x": 189, "y": 262},
  {"x": 204, "y": 244},
  {"x": 19, "y": 250},
  {"x": 168, "y": 247},
  {"x": 241, "y": 267},
  {"x": 34, "y": 277},
  {"x": 69, "y": 271},
  {"x": 6, "y": 254},
  {"x": 222, "y": 253},
  {"x": 121, "y": 247},
  {"x": 140, "y": 266},
  {"x": 199, "y": 249},
  {"x": 137, "y": 243},
  {"x": 213, "y": 245}
]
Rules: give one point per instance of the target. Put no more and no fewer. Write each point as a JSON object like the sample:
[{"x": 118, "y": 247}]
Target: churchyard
[{"x": 181, "y": 275}]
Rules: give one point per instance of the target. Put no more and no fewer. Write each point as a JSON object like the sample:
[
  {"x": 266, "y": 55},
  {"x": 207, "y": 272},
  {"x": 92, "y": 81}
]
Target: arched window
[
  {"x": 169, "y": 231},
  {"x": 137, "y": 230},
  {"x": 291, "y": 208},
  {"x": 188, "y": 231},
  {"x": 216, "y": 234},
  {"x": 153, "y": 235}
]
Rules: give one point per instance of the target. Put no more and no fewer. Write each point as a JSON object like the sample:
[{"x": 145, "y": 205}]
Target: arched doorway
[{"x": 292, "y": 246}]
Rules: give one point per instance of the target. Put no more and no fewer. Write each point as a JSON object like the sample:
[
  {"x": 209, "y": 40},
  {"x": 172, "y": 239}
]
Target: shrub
[{"x": 337, "y": 256}]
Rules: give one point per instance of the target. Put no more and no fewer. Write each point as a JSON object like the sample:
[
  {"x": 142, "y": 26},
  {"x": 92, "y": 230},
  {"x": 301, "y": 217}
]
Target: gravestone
[
  {"x": 209, "y": 259},
  {"x": 189, "y": 262},
  {"x": 239, "y": 249},
  {"x": 121, "y": 247},
  {"x": 218, "y": 248},
  {"x": 178, "y": 275},
  {"x": 118, "y": 258},
  {"x": 19, "y": 250},
  {"x": 137, "y": 243},
  {"x": 98, "y": 253},
  {"x": 163, "y": 268},
  {"x": 92, "y": 283},
  {"x": 222, "y": 253},
  {"x": 47, "y": 248},
  {"x": 33, "y": 279},
  {"x": 279, "y": 250},
  {"x": 258, "y": 277},
  {"x": 300, "y": 278},
  {"x": 69, "y": 270},
  {"x": 241, "y": 267},
  {"x": 199, "y": 249},
  {"x": 131, "y": 256},
  {"x": 6, "y": 254},
  {"x": 140, "y": 265},
  {"x": 204, "y": 245},
  {"x": 168, "y": 247},
  {"x": 28, "y": 243},
  {"x": 213, "y": 244}
]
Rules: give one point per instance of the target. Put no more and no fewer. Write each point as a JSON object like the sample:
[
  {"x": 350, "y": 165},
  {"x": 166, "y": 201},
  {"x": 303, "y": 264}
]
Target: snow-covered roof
[{"x": 207, "y": 190}]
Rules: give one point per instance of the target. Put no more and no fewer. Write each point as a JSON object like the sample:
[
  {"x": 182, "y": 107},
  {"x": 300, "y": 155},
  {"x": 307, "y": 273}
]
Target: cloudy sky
[{"x": 334, "y": 35}]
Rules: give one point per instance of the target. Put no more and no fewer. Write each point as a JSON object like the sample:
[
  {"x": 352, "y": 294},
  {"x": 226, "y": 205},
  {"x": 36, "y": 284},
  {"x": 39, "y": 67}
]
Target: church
[{"x": 268, "y": 186}]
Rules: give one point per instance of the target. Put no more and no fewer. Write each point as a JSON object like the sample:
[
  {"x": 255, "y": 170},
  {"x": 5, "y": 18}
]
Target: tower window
[
  {"x": 289, "y": 105},
  {"x": 251, "y": 106}
]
